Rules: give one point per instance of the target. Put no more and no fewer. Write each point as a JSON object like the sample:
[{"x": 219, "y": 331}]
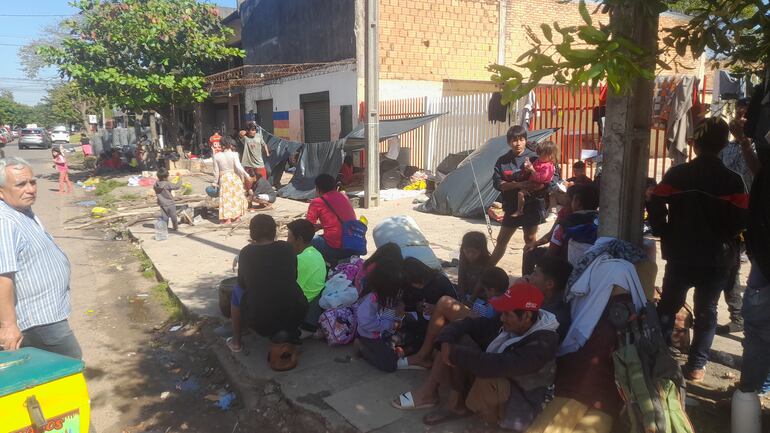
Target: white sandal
[{"x": 406, "y": 402}]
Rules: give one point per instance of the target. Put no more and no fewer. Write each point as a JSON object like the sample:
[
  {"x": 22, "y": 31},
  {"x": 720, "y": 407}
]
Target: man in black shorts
[{"x": 509, "y": 176}]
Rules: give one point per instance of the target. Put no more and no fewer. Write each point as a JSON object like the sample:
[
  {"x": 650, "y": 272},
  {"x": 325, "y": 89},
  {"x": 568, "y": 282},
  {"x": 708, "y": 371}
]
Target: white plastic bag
[{"x": 338, "y": 292}]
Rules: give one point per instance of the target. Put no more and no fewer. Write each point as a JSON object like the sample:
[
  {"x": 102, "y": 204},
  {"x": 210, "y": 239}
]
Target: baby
[{"x": 539, "y": 175}]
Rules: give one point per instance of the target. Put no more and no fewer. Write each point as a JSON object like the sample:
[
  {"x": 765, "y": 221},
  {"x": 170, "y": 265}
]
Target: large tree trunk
[{"x": 626, "y": 138}]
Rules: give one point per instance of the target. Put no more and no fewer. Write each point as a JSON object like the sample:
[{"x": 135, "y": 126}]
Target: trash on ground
[
  {"x": 226, "y": 400},
  {"x": 190, "y": 384},
  {"x": 175, "y": 328},
  {"x": 86, "y": 203},
  {"x": 164, "y": 395}
]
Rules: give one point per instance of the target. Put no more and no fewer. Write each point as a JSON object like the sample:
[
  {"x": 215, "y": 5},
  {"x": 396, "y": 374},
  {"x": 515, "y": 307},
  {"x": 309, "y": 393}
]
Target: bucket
[{"x": 225, "y": 294}]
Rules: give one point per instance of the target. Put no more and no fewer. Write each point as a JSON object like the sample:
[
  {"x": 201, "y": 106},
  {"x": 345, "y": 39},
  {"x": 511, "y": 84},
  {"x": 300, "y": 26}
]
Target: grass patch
[
  {"x": 130, "y": 196},
  {"x": 169, "y": 302},
  {"x": 145, "y": 265},
  {"x": 106, "y": 201},
  {"x": 75, "y": 138},
  {"x": 75, "y": 158},
  {"x": 107, "y": 186}
]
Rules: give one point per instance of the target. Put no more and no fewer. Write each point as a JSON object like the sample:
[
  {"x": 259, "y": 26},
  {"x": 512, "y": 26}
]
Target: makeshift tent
[
  {"x": 326, "y": 157},
  {"x": 458, "y": 195}
]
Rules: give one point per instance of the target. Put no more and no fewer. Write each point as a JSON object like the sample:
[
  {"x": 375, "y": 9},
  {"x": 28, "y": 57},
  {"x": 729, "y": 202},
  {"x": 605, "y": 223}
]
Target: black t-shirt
[
  {"x": 262, "y": 186},
  {"x": 268, "y": 276},
  {"x": 510, "y": 168},
  {"x": 430, "y": 294}
]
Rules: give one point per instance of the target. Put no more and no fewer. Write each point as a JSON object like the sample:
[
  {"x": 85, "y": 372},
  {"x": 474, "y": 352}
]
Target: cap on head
[{"x": 519, "y": 297}]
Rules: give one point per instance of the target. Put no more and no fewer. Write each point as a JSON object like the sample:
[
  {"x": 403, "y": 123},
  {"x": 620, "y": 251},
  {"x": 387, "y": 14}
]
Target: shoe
[
  {"x": 694, "y": 374},
  {"x": 729, "y": 328}
]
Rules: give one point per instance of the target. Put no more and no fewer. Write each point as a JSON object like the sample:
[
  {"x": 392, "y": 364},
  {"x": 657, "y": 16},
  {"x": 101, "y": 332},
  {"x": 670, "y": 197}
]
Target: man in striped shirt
[{"x": 34, "y": 271}]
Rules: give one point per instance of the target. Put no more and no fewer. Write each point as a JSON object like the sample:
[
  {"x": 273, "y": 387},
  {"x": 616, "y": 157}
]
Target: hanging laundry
[
  {"x": 679, "y": 127},
  {"x": 729, "y": 86},
  {"x": 497, "y": 112},
  {"x": 529, "y": 107}
]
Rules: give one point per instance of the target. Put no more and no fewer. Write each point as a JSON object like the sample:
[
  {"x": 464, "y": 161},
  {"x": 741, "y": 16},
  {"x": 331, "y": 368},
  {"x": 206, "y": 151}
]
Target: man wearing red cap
[{"x": 500, "y": 374}]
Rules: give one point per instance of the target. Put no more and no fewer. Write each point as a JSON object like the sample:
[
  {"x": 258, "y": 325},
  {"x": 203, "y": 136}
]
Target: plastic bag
[
  {"x": 338, "y": 292},
  {"x": 338, "y": 325}
]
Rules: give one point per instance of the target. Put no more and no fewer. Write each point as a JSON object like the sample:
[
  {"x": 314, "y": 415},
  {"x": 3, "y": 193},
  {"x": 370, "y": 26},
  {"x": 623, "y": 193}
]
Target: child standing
[
  {"x": 474, "y": 259},
  {"x": 379, "y": 314},
  {"x": 539, "y": 172},
  {"x": 60, "y": 162},
  {"x": 163, "y": 190}
]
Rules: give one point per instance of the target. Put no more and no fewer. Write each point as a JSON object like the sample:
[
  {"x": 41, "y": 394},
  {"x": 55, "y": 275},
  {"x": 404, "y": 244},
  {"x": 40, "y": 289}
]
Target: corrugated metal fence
[{"x": 466, "y": 126}]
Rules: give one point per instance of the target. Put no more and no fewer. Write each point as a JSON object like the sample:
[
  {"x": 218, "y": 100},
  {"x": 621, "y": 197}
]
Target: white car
[{"x": 60, "y": 134}]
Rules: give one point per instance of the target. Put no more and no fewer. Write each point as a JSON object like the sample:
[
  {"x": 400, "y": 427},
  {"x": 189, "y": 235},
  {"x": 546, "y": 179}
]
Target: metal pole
[{"x": 372, "y": 131}]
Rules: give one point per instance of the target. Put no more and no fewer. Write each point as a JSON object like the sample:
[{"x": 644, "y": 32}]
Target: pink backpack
[{"x": 338, "y": 325}]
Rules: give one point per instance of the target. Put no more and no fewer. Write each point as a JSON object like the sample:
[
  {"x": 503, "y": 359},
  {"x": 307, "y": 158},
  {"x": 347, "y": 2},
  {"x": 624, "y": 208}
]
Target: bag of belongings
[{"x": 647, "y": 375}]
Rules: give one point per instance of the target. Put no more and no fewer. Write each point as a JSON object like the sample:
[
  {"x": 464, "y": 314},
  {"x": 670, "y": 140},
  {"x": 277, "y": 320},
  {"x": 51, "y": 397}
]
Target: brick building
[{"x": 427, "y": 48}]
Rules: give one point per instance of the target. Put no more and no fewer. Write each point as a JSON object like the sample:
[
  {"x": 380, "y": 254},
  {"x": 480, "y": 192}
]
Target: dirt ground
[
  {"x": 145, "y": 378},
  {"x": 121, "y": 315}
]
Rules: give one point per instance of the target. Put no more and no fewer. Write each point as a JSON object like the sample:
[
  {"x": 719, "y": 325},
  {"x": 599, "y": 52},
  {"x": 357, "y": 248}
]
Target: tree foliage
[
  {"x": 737, "y": 31},
  {"x": 141, "y": 54}
]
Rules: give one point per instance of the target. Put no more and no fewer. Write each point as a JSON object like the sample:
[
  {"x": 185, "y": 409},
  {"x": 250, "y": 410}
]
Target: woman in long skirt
[{"x": 230, "y": 175}]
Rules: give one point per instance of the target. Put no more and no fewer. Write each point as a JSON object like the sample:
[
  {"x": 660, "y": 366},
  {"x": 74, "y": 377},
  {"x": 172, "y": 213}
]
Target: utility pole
[
  {"x": 626, "y": 140},
  {"x": 371, "y": 85}
]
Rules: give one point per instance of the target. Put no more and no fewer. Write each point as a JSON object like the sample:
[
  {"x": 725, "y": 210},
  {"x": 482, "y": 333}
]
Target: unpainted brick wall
[{"x": 434, "y": 40}]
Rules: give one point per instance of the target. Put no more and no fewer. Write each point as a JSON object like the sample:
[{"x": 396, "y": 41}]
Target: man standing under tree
[
  {"x": 34, "y": 271},
  {"x": 698, "y": 210}
]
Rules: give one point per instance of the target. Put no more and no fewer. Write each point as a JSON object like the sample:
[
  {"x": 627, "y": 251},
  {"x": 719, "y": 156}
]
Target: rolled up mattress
[{"x": 403, "y": 231}]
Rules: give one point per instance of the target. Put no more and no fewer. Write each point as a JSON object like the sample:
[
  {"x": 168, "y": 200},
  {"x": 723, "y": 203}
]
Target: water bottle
[
  {"x": 747, "y": 412},
  {"x": 161, "y": 229}
]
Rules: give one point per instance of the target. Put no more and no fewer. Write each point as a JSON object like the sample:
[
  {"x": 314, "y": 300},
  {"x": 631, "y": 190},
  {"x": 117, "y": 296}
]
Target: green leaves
[
  {"x": 142, "y": 53},
  {"x": 584, "y": 13}
]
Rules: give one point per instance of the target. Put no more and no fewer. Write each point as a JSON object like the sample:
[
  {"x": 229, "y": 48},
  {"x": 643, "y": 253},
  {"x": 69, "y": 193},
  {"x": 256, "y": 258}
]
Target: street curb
[{"x": 188, "y": 315}]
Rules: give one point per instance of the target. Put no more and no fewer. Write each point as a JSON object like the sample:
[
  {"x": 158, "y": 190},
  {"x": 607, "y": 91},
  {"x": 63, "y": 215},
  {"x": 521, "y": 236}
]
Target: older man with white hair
[{"x": 34, "y": 271}]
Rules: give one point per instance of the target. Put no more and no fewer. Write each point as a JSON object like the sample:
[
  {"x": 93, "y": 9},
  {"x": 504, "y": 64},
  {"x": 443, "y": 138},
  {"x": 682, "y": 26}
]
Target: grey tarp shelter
[
  {"x": 326, "y": 157},
  {"x": 458, "y": 195}
]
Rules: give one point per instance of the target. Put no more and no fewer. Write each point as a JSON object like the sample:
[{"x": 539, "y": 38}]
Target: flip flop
[
  {"x": 405, "y": 401},
  {"x": 229, "y": 343},
  {"x": 441, "y": 416},
  {"x": 403, "y": 364}
]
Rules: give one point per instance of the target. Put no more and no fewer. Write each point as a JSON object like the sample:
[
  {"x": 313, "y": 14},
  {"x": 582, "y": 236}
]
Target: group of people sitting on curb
[{"x": 533, "y": 353}]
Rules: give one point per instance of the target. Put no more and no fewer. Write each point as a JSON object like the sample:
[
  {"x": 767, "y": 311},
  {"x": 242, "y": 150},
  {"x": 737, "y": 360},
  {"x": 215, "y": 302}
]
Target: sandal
[
  {"x": 403, "y": 364},
  {"x": 231, "y": 345},
  {"x": 405, "y": 401},
  {"x": 441, "y": 416}
]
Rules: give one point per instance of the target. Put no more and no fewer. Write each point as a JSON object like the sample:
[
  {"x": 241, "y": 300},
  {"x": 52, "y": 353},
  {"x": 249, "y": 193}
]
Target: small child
[
  {"x": 261, "y": 192},
  {"x": 85, "y": 144},
  {"x": 163, "y": 190},
  {"x": 474, "y": 260},
  {"x": 347, "y": 173},
  {"x": 60, "y": 162},
  {"x": 540, "y": 173},
  {"x": 379, "y": 314},
  {"x": 578, "y": 175},
  {"x": 494, "y": 282}
]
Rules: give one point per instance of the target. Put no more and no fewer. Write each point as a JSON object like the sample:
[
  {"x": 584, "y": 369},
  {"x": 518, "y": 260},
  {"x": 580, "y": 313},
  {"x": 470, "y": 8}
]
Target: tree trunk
[
  {"x": 153, "y": 129},
  {"x": 198, "y": 135},
  {"x": 83, "y": 109},
  {"x": 626, "y": 140}
]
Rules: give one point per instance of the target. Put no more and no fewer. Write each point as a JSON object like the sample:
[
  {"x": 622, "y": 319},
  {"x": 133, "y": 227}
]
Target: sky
[{"x": 22, "y": 22}]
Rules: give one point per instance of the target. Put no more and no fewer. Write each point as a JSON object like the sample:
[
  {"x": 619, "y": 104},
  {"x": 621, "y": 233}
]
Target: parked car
[
  {"x": 16, "y": 132},
  {"x": 60, "y": 135},
  {"x": 34, "y": 137}
]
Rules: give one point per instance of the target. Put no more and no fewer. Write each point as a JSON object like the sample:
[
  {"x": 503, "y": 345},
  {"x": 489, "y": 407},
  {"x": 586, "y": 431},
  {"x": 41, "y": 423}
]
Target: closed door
[
  {"x": 265, "y": 115},
  {"x": 315, "y": 107}
]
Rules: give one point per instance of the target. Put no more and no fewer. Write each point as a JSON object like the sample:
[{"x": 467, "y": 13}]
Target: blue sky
[{"x": 20, "y": 30}]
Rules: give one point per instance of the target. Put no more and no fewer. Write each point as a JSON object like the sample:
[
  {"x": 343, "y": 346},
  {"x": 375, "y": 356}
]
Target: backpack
[
  {"x": 648, "y": 377},
  {"x": 338, "y": 325}
]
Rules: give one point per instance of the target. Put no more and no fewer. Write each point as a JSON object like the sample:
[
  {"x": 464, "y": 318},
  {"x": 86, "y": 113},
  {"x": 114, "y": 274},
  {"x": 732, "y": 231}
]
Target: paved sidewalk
[{"x": 329, "y": 381}]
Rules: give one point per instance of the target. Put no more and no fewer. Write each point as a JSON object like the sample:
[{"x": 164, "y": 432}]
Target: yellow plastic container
[{"x": 42, "y": 392}]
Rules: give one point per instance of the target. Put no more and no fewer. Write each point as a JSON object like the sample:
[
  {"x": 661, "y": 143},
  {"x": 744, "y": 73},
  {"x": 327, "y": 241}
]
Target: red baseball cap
[{"x": 520, "y": 296}]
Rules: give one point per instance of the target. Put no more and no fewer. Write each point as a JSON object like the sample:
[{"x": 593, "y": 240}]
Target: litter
[
  {"x": 175, "y": 328},
  {"x": 87, "y": 203},
  {"x": 164, "y": 395},
  {"x": 188, "y": 385},
  {"x": 99, "y": 212},
  {"x": 225, "y": 401},
  {"x": 90, "y": 311},
  {"x": 142, "y": 295}
]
